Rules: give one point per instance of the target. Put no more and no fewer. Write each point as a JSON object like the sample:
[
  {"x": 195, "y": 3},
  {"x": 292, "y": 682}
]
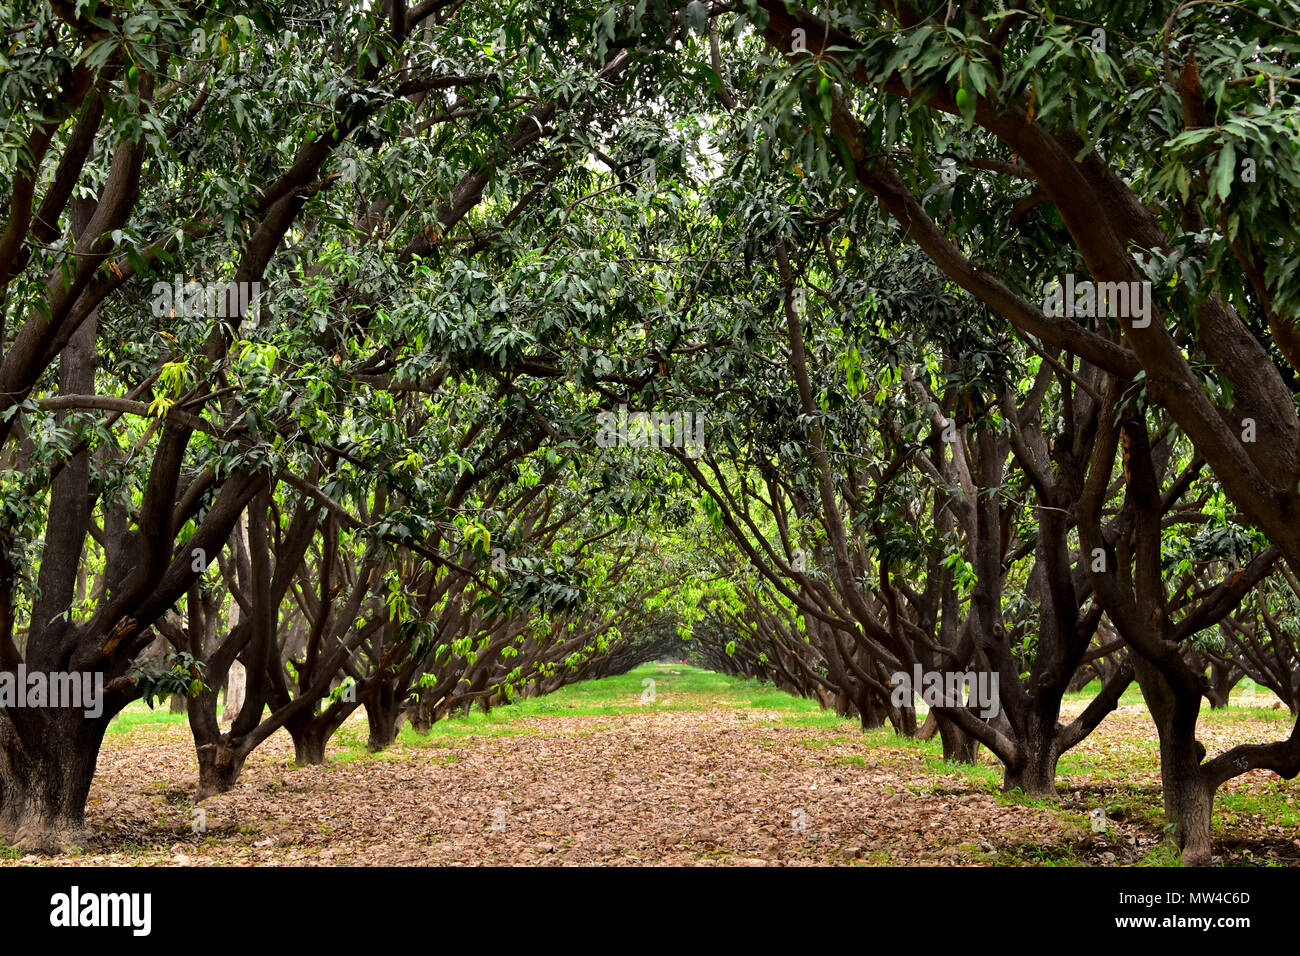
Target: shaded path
[{"x": 710, "y": 772}]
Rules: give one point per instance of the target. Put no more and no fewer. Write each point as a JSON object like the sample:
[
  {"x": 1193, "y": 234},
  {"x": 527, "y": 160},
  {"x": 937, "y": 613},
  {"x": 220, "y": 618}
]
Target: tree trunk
[
  {"x": 219, "y": 767},
  {"x": 1036, "y": 775},
  {"x": 872, "y": 711},
  {"x": 1084, "y": 676},
  {"x": 309, "y": 747},
  {"x": 219, "y": 761},
  {"x": 840, "y": 704},
  {"x": 383, "y": 713},
  {"x": 958, "y": 746},
  {"x": 236, "y": 682},
  {"x": 420, "y": 712},
  {"x": 310, "y": 734},
  {"x": 1222, "y": 680},
  {"x": 1189, "y": 800},
  {"x": 46, "y": 769},
  {"x": 48, "y": 755},
  {"x": 903, "y": 720}
]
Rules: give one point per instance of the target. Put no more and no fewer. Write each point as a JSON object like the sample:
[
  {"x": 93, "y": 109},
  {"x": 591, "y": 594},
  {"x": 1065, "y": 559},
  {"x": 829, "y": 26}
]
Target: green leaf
[{"x": 1225, "y": 171}]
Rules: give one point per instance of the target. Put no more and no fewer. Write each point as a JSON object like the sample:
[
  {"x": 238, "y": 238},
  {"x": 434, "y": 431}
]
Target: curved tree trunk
[
  {"x": 311, "y": 732},
  {"x": 1223, "y": 678},
  {"x": 903, "y": 720}
]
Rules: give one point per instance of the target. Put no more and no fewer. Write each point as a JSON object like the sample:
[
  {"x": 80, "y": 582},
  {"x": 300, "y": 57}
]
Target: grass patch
[
  {"x": 1019, "y": 798},
  {"x": 1146, "y": 809},
  {"x": 675, "y": 687},
  {"x": 820, "y": 743},
  {"x": 1239, "y": 712},
  {"x": 1132, "y": 695},
  {"x": 1032, "y": 854},
  {"x": 1247, "y": 808},
  {"x": 137, "y": 714},
  {"x": 1162, "y": 854}
]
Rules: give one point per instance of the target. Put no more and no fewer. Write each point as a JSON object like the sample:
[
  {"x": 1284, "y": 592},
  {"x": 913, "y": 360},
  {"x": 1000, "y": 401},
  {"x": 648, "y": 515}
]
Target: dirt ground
[{"x": 716, "y": 783}]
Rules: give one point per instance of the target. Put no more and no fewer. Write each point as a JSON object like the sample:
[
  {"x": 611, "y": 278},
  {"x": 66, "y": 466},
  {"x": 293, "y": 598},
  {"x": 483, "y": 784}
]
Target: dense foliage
[{"x": 566, "y": 334}]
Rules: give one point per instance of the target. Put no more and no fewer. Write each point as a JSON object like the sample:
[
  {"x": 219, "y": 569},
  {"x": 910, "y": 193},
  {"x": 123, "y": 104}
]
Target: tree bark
[
  {"x": 46, "y": 768},
  {"x": 958, "y": 746},
  {"x": 384, "y": 714},
  {"x": 1036, "y": 773},
  {"x": 872, "y": 711},
  {"x": 220, "y": 764},
  {"x": 309, "y": 745},
  {"x": 1188, "y": 796},
  {"x": 311, "y": 731}
]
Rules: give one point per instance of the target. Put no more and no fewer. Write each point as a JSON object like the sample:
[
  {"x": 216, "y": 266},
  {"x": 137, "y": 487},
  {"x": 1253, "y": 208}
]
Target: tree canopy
[{"x": 417, "y": 357}]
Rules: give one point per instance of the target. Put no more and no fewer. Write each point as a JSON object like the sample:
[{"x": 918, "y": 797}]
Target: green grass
[
  {"x": 1031, "y": 854},
  {"x": 851, "y": 761},
  {"x": 1131, "y": 695},
  {"x": 137, "y": 714},
  {"x": 1242, "y": 706},
  {"x": 677, "y": 687},
  {"x": 1239, "y": 712},
  {"x": 1162, "y": 854},
  {"x": 1244, "y": 808}
]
